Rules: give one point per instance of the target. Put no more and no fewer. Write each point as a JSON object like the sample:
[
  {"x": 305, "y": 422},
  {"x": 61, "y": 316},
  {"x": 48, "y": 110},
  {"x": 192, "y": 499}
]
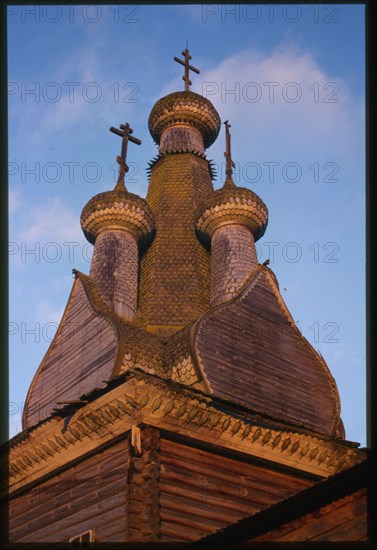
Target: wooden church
[{"x": 178, "y": 401}]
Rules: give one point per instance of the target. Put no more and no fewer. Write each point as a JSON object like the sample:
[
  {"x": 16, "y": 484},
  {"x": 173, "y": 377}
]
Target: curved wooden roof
[
  {"x": 247, "y": 351},
  {"x": 253, "y": 354},
  {"x": 91, "y": 346}
]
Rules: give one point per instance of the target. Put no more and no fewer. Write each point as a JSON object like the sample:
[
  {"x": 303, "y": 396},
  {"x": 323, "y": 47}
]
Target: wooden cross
[
  {"x": 228, "y": 154},
  {"x": 188, "y": 67},
  {"x": 126, "y": 137}
]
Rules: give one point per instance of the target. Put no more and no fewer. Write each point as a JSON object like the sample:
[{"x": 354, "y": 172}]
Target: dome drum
[
  {"x": 118, "y": 223},
  {"x": 181, "y": 138},
  {"x": 230, "y": 220}
]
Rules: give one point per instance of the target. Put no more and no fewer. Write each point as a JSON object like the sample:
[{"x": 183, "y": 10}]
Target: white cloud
[
  {"x": 324, "y": 113},
  {"x": 51, "y": 221},
  {"x": 49, "y": 232},
  {"x": 67, "y": 97}
]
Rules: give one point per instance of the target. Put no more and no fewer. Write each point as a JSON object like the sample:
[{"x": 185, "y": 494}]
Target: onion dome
[
  {"x": 185, "y": 109},
  {"x": 231, "y": 205},
  {"x": 117, "y": 209}
]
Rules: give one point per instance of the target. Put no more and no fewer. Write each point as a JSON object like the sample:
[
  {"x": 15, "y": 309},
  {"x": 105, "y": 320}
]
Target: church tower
[{"x": 178, "y": 395}]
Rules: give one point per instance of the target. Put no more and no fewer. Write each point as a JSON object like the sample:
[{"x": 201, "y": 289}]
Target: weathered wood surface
[
  {"x": 174, "y": 271},
  {"x": 201, "y": 492},
  {"x": 143, "y": 512},
  {"x": 342, "y": 520},
  {"x": 165, "y": 490},
  {"x": 92, "y": 493},
  {"x": 80, "y": 358},
  {"x": 253, "y": 355}
]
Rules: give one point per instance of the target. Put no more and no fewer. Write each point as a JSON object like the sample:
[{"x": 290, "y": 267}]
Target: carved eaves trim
[{"x": 151, "y": 401}]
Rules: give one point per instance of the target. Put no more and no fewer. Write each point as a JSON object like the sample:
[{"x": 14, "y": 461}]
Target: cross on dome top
[
  {"x": 188, "y": 67},
  {"x": 125, "y": 133}
]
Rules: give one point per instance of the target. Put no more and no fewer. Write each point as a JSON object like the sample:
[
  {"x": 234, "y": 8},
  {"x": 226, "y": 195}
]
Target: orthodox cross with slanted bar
[
  {"x": 125, "y": 133},
  {"x": 188, "y": 67},
  {"x": 228, "y": 153}
]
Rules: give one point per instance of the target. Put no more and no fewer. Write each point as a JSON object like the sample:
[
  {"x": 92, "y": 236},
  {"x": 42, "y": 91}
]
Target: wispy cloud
[
  {"x": 52, "y": 220},
  {"x": 67, "y": 98},
  {"x": 49, "y": 232},
  {"x": 283, "y": 101}
]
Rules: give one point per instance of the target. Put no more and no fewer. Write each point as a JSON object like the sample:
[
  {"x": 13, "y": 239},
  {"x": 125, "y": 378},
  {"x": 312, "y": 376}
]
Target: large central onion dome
[{"x": 184, "y": 121}]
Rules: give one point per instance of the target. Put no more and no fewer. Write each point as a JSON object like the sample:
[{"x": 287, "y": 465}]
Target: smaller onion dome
[
  {"x": 118, "y": 209},
  {"x": 231, "y": 205},
  {"x": 185, "y": 108}
]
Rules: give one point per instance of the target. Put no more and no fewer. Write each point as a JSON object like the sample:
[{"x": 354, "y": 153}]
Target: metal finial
[
  {"x": 187, "y": 66},
  {"x": 121, "y": 160},
  {"x": 228, "y": 155}
]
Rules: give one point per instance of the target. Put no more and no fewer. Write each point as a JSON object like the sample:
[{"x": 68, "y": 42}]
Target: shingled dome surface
[
  {"x": 185, "y": 107},
  {"x": 232, "y": 204},
  {"x": 117, "y": 208}
]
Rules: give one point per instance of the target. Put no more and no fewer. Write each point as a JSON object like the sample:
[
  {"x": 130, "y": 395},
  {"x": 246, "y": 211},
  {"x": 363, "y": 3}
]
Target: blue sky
[{"x": 291, "y": 81}]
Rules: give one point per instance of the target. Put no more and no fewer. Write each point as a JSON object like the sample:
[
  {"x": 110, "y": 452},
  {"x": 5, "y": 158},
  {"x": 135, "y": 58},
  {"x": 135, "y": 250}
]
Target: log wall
[
  {"x": 201, "y": 492},
  {"x": 91, "y": 494},
  {"x": 153, "y": 490}
]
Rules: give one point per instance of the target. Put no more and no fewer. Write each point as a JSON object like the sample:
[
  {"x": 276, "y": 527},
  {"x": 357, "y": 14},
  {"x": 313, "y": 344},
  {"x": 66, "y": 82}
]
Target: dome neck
[{"x": 181, "y": 137}]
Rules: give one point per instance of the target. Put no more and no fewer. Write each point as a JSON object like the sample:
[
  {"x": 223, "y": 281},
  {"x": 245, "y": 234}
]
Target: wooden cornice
[{"x": 149, "y": 400}]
